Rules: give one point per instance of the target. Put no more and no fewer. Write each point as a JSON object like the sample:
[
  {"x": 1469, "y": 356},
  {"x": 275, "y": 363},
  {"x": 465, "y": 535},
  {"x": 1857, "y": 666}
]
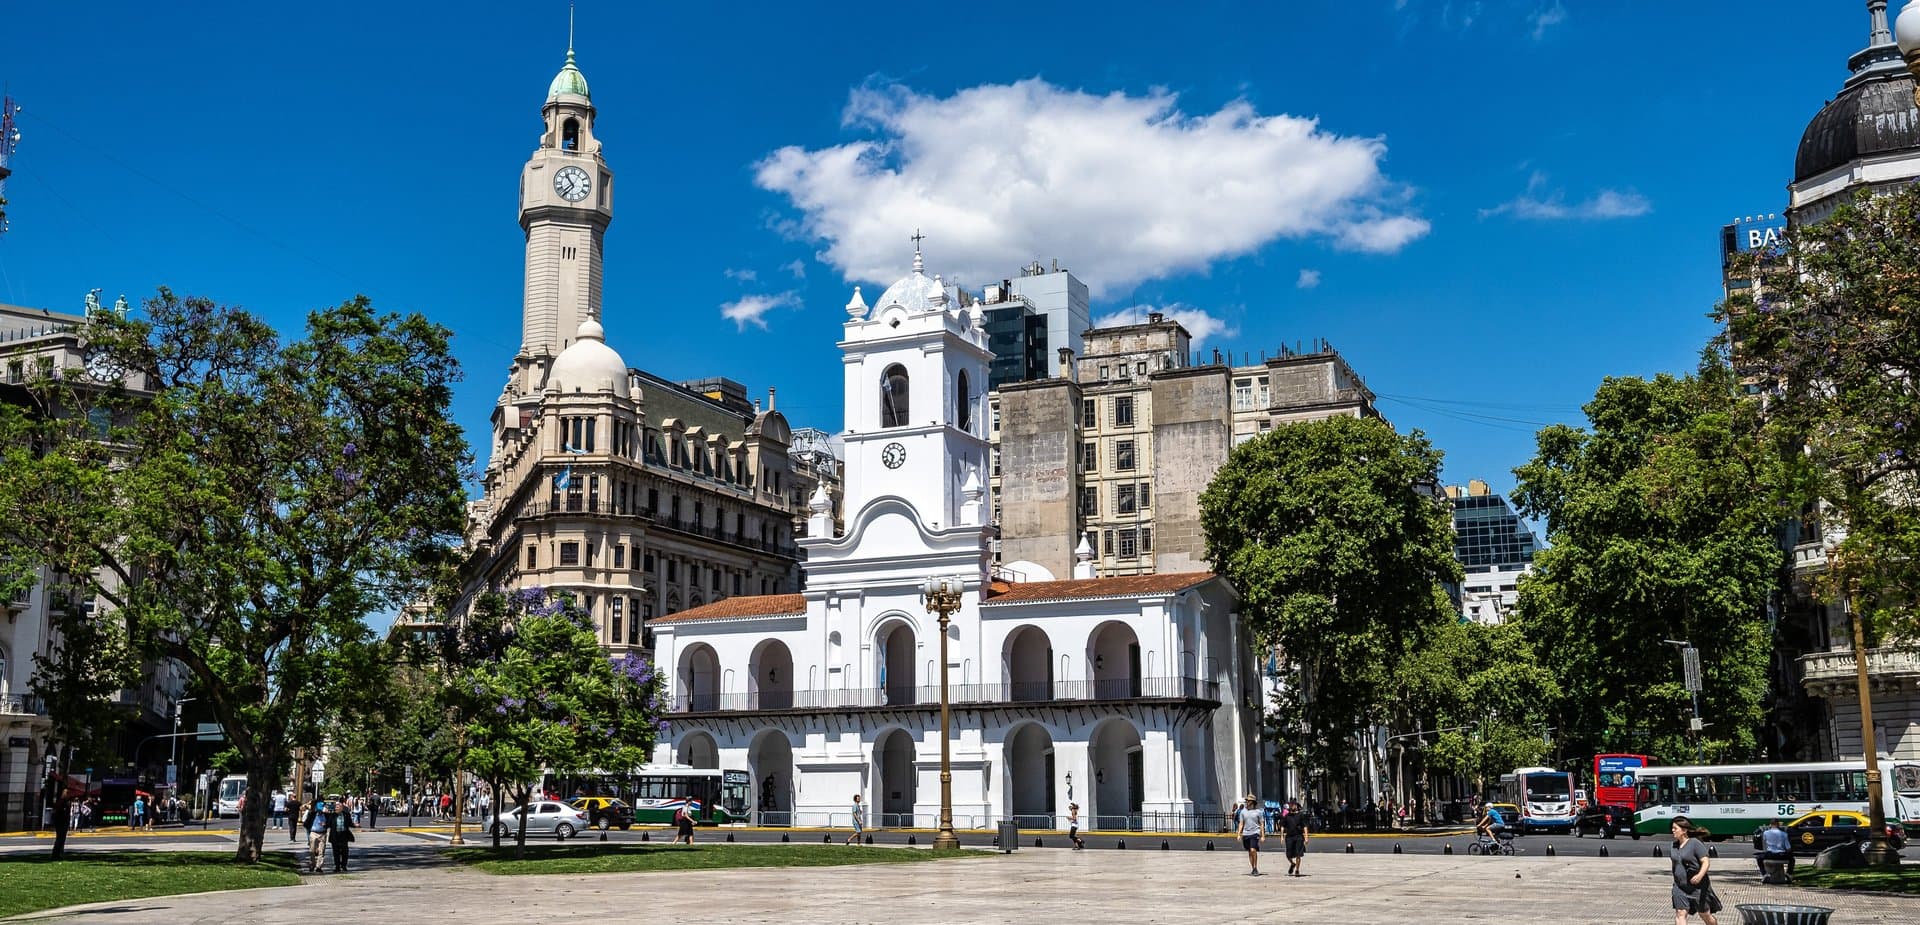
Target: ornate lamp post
[
  {"x": 943, "y": 597},
  {"x": 1906, "y": 33}
]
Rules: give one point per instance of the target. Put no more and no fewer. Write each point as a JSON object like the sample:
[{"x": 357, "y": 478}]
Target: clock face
[
  {"x": 893, "y": 455},
  {"x": 572, "y": 184},
  {"x": 103, "y": 368}
]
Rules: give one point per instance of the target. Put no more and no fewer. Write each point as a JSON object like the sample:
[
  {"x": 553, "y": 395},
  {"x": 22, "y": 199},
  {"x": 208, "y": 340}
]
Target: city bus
[
  {"x": 232, "y": 788},
  {"x": 657, "y": 791},
  {"x": 1614, "y": 777},
  {"x": 1545, "y": 798},
  {"x": 1731, "y": 800}
]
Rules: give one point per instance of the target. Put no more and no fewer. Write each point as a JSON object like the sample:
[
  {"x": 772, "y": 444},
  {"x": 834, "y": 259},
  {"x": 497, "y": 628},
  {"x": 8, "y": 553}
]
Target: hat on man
[{"x": 1251, "y": 798}]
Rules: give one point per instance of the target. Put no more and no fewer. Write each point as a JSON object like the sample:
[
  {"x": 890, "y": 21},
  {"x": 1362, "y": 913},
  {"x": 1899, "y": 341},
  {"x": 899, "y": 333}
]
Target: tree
[
  {"x": 551, "y": 699},
  {"x": 1483, "y": 693},
  {"x": 245, "y": 504},
  {"x": 1660, "y": 524},
  {"x": 1833, "y": 333},
  {"x": 1334, "y": 536},
  {"x": 76, "y": 680}
]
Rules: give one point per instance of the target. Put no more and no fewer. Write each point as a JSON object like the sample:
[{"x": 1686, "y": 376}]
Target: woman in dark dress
[{"x": 683, "y": 822}]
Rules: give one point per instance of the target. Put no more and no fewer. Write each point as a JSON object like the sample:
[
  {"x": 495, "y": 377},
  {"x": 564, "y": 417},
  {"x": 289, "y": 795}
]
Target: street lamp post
[
  {"x": 1690, "y": 673},
  {"x": 943, "y": 597}
]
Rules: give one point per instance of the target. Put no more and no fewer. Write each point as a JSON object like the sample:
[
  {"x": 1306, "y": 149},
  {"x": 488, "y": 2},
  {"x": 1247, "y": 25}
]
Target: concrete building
[
  {"x": 1865, "y": 140},
  {"x": 35, "y": 345},
  {"x": 1131, "y": 696},
  {"x": 1116, "y": 448},
  {"x": 1495, "y": 547},
  {"x": 642, "y": 496}
]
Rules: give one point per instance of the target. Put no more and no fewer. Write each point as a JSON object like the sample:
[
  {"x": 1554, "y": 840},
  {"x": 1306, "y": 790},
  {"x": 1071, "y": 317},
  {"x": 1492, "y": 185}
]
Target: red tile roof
[
  {"x": 756, "y": 605},
  {"x": 1022, "y": 592}
]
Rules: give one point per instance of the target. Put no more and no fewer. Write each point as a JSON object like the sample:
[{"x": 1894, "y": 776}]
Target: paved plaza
[{"x": 405, "y": 883}]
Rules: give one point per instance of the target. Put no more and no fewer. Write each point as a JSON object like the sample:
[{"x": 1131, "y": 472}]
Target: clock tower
[{"x": 566, "y": 203}]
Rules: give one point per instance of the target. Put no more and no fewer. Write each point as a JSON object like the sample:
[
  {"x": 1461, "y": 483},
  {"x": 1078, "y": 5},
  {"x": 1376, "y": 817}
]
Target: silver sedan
[{"x": 548, "y": 818}]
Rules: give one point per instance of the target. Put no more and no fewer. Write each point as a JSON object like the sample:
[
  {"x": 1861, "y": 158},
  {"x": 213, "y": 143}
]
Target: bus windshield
[{"x": 1549, "y": 788}]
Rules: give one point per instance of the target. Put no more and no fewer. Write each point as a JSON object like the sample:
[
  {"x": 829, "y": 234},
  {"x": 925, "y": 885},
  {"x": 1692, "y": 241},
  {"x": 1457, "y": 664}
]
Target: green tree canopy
[
  {"x": 1338, "y": 542},
  {"x": 247, "y": 503},
  {"x": 1660, "y": 523},
  {"x": 1484, "y": 694}
]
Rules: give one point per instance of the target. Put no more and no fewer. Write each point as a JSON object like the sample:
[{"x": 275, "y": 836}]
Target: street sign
[
  {"x": 1690, "y": 663},
  {"x": 208, "y": 732},
  {"x": 409, "y": 775}
]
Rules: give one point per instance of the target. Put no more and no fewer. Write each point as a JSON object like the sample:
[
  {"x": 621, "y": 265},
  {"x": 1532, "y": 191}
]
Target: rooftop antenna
[
  {"x": 569, "y": 30},
  {"x": 9, "y": 140}
]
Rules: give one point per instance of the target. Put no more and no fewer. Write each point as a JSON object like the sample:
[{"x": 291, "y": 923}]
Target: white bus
[
  {"x": 1731, "y": 800},
  {"x": 1545, "y": 798},
  {"x": 232, "y": 788}
]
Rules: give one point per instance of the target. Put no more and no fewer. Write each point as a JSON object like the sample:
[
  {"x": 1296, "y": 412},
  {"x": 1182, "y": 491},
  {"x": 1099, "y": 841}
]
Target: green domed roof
[{"x": 569, "y": 80}]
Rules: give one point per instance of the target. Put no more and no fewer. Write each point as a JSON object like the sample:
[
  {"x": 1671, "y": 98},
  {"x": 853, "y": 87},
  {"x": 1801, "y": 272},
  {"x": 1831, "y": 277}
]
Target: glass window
[
  {"x": 1146, "y": 539},
  {"x": 533, "y": 557},
  {"x": 1839, "y": 785},
  {"x": 1089, "y": 502},
  {"x": 569, "y": 553},
  {"x": 1107, "y": 541},
  {"x": 1129, "y": 543},
  {"x": 1123, "y": 411},
  {"x": 1727, "y": 788},
  {"x": 1089, "y": 456},
  {"x": 1146, "y": 495},
  {"x": 1843, "y": 821},
  {"x": 1089, "y": 413},
  {"x": 1123, "y": 499},
  {"x": 1123, "y": 455},
  {"x": 963, "y": 401}
]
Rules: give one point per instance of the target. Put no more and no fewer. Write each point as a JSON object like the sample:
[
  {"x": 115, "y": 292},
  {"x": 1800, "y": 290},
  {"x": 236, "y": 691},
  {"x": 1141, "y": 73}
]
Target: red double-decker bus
[{"x": 1615, "y": 778}]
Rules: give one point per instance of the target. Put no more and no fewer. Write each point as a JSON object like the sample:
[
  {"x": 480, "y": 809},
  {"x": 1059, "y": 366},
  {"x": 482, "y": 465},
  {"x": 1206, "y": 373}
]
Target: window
[
  {"x": 647, "y": 564},
  {"x": 619, "y": 555},
  {"x": 673, "y": 570},
  {"x": 1103, "y": 372},
  {"x": 570, "y": 135},
  {"x": 1089, "y": 456},
  {"x": 963, "y": 402},
  {"x": 736, "y": 582},
  {"x": 1106, "y": 541},
  {"x": 1129, "y": 543},
  {"x": 533, "y": 557},
  {"x": 1146, "y": 495},
  {"x": 1123, "y": 499},
  {"x": 996, "y": 462},
  {"x": 569, "y": 553},
  {"x": 1146, "y": 539},
  {"x": 1243, "y": 394},
  {"x": 589, "y": 444},
  {"x": 617, "y": 604},
  {"x": 1263, "y": 396},
  {"x": 591, "y": 556},
  {"x": 641, "y": 613},
  {"x": 1140, "y": 367},
  {"x": 1089, "y": 413},
  {"x": 1123, "y": 411},
  {"x": 894, "y": 403},
  {"x": 586, "y": 604},
  {"x": 1089, "y": 502},
  {"x": 1123, "y": 456},
  {"x": 715, "y": 573},
  {"x": 653, "y": 500},
  {"x": 16, "y": 370}
]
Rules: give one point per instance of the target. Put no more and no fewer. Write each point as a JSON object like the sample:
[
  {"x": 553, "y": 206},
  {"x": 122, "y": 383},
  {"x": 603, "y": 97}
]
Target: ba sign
[{"x": 1754, "y": 233}]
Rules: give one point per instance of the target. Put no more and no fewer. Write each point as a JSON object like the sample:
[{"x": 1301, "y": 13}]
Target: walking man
[
  {"x": 1073, "y": 826},
  {"x": 1252, "y": 823},
  {"x": 279, "y": 808},
  {"x": 1692, "y": 891},
  {"x": 315, "y": 825},
  {"x": 1294, "y": 824},
  {"x": 293, "y": 817},
  {"x": 859, "y": 821}
]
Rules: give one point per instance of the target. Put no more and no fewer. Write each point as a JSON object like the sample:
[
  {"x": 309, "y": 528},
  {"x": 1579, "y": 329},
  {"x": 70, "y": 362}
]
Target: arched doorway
[
  {"x": 1029, "y": 759},
  {"x": 894, "y": 650},
  {"x": 699, "y": 678},
  {"x": 1028, "y": 664},
  {"x": 771, "y": 681},
  {"x": 1113, "y": 652},
  {"x": 1119, "y": 784},
  {"x": 894, "y": 771},
  {"x": 771, "y": 761},
  {"x": 698, "y": 750}
]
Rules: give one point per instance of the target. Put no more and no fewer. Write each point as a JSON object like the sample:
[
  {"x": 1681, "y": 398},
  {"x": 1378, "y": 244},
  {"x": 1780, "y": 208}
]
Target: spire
[
  {"x": 569, "y": 80},
  {"x": 1882, "y": 35},
  {"x": 856, "y": 306},
  {"x": 569, "y": 32},
  {"x": 919, "y": 263}
]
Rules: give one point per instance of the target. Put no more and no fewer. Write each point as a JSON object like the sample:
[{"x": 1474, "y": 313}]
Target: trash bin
[
  {"x": 1009, "y": 837},
  {"x": 1778, "y": 914}
]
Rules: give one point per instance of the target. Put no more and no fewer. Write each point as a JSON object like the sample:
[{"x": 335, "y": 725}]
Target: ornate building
[
  {"x": 642, "y": 496},
  {"x": 1129, "y": 695}
]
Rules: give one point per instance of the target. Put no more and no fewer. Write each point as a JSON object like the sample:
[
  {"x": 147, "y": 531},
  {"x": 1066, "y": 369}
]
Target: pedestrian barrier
[
  {"x": 1712, "y": 852},
  {"x": 1123, "y": 845},
  {"x": 644, "y": 836},
  {"x": 869, "y": 839},
  {"x": 784, "y": 838},
  {"x": 1164, "y": 846},
  {"x": 1603, "y": 851},
  {"x": 1549, "y": 851},
  {"x": 1448, "y": 848},
  {"x": 1396, "y": 847},
  {"x": 1349, "y": 847},
  {"x": 1036, "y": 843},
  {"x": 826, "y": 839},
  {"x": 912, "y": 841},
  {"x": 729, "y": 836}
]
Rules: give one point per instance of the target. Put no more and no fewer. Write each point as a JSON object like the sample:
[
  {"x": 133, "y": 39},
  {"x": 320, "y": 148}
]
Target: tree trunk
[
  {"x": 62, "y": 805},
  {"x": 252, "y": 825},
  {"x": 494, "y": 793}
]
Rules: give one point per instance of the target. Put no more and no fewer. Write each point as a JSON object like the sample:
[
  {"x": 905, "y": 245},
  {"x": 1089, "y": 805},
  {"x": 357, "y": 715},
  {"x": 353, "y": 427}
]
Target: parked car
[
  {"x": 1604, "y": 821},
  {"x": 548, "y": 818},
  {"x": 1825, "y": 828},
  {"x": 1509, "y": 817},
  {"x": 604, "y": 812}
]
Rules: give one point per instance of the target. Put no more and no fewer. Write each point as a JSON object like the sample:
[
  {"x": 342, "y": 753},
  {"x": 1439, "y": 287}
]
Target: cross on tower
[{"x": 918, "y": 263}]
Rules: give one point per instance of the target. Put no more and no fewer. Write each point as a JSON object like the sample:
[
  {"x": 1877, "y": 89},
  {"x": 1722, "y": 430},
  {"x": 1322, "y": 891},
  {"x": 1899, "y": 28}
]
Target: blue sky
[{"x": 1486, "y": 206}]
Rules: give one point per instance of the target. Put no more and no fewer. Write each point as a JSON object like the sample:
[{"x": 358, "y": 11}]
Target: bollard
[
  {"x": 1712, "y": 852},
  {"x": 1396, "y": 847},
  {"x": 1349, "y": 847},
  {"x": 1449, "y": 848},
  {"x": 1209, "y": 844},
  {"x": 784, "y": 838},
  {"x": 1036, "y": 843},
  {"x": 729, "y": 838},
  {"x": 826, "y": 839},
  {"x": 996, "y": 841},
  {"x": 644, "y": 836},
  {"x": 1164, "y": 846},
  {"x": 1656, "y": 851},
  {"x": 1549, "y": 851},
  {"x": 1123, "y": 845},
  {"x": 603, "y": 833},
  {"x": 912, "y": 840},
  {"x": 1603, "y": 851},
  {"x": 869, "y": 839}
]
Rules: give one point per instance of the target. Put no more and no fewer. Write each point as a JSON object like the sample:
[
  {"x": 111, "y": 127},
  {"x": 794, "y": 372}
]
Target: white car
[{"x": 548, "y": 818}]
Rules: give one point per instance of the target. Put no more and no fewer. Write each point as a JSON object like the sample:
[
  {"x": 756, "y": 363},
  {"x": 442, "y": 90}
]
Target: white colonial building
[{"x": 1134, "y": 697}]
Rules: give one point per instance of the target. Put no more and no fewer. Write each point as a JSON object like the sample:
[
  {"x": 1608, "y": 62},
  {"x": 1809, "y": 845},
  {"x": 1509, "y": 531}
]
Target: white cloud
[
  {"x": 796, "y": 267},
  {"x": 1308, "y": 279},
  {"x": 1546, "y": 17},
  {"x": 1541, "y": 204},
  {"x": 1201, "y": 325},
  {"x": 753, "y": 309},
  {"x": 1122, "y": 188},
  {"x": 744, "y": 276}
]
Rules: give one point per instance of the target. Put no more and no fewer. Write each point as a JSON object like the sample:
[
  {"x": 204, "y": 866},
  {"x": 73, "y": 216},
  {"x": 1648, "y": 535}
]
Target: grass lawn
[
  {"x": 604, "y": 859},
  {"x": 1897, "y": 880},
  {"x": 29, "y": 883}
]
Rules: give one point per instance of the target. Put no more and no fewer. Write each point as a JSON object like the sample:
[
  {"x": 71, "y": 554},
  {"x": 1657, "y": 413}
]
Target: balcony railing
[
  {"x": 601, "y": 507},
  {"x": 20, "y": 705},
  {"x": 1833, "y": 670},
  {"x": 1167, "y": 688}
]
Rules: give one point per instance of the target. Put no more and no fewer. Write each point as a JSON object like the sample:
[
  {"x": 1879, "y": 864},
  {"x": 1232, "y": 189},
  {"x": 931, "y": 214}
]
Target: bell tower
[{"x": 566, "y": 203}]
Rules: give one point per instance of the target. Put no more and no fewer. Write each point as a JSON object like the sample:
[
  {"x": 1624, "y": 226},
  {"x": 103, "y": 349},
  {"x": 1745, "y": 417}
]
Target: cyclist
[{"x": 1491, "y": 825}]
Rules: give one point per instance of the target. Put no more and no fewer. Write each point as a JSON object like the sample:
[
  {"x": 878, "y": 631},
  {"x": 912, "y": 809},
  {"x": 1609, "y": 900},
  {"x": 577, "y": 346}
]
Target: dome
[
  {"x": 1872, "y": 116},
  {"x": 569, "y": 81},
  {"x": 916, "y": 293},
  {"x": 588, "y": 364}
]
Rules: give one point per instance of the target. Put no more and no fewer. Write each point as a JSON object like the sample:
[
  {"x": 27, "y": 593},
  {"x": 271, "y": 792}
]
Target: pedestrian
[
  {"x": 1294, "y": 824},
  {"x": 373, "y": 811},
  {"x": 683, "y": 822},
  {"x": 859, "y": 821},
  {"x": 341, "y": 834},
  {"x": 1073, "y": 826},
  {"x": 1692, "y": 891},
  {"x": 293, "y": 817},
  {"x": 314, "y": 823},
  {"x": 1252, "y": 823},
  {"x": 279, "y": 809},
  {"x": 138, "y": 816}
]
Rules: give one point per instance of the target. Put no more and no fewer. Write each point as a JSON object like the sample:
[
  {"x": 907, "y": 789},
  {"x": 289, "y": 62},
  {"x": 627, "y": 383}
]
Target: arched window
[
  {"x": 963, "y": 402},
  {"x": 570, "y": 135},
  {"x": 893, "y": 396}
]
